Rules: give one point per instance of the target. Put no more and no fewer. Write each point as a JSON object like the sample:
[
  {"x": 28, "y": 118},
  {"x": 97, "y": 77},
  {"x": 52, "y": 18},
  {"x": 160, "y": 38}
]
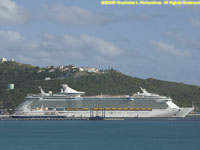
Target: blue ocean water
[{"x": 100, "y": 135}]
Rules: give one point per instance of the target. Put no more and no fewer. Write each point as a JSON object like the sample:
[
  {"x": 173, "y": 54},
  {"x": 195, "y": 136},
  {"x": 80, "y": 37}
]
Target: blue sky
[{"x": 161, "y": 42}]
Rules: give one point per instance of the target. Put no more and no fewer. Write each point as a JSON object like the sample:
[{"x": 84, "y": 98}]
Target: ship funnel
[
  {"x": 145, "y": 92},
  {"x": 41, "y": 90}
]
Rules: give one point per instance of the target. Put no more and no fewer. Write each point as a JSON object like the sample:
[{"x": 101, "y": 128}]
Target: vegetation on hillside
[{"x": 27, "y": 78}]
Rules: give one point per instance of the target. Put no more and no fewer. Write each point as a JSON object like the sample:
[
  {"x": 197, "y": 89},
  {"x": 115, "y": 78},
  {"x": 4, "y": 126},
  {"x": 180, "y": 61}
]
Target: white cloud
[
  {"x": 101, "y": 46},
  {"x": 73, "y": 41},
  {"x": 57, "y": 49},
  {"x": 11, "y": 13},
  {"x": 11, "y": 36},
  {"x": 83, "y": 43},
  {"x": 184, "y": 41},
  {"x": 73, "y": 15},
  {"x": 169, "y": 48}
]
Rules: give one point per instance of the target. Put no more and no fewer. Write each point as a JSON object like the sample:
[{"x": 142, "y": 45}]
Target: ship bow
[{"x": 184, "y": 112}]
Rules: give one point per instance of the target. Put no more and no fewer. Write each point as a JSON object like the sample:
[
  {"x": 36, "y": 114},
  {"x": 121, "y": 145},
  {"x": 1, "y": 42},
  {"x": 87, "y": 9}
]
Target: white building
[
  {"x": 81, "y": 69},
  {"x": 88, "y": 69},
  {"x": 51, "y": 70},
  {"x": 47, "y": 78},
  {"x": 3, "y": 60},
  {"x": 11, "y": 86}
]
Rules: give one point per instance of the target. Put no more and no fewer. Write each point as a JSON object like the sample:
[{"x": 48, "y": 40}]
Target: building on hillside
[
  {"x": 81, "y": 69},
  {"x": 61, "y": 67},
  {"x": 64, "y": 69},
  {"x": 11, "y": 86},
  {"x": 3, "y": 60},
  {"x": 51, "y": 70},
  {"x": 88, "y": 69},
  {"x": 40, "y": 71},
  {"x": 47, "y": 78}
]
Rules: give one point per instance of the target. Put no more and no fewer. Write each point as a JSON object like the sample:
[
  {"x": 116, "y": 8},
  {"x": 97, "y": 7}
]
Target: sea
[{"x": 138, "y": 134}]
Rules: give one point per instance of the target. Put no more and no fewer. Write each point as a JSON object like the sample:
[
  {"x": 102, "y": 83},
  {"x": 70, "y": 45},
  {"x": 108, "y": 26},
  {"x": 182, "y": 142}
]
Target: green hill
[{"x": 27, "y": 78}]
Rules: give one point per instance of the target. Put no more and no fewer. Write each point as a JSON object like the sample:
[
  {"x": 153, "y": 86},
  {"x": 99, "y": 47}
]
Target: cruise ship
[{"x": 71, "y": 103}]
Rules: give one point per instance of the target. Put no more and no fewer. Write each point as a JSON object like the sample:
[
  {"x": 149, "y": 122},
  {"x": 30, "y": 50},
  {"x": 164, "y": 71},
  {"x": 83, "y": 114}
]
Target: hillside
[{"x": 27, "y": 78}]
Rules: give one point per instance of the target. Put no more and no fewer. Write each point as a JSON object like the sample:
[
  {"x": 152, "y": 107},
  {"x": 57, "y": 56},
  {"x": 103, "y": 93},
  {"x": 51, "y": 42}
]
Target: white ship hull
[
  {"x": 182, "y": 112},
  {"x": 170, "y": 112}
]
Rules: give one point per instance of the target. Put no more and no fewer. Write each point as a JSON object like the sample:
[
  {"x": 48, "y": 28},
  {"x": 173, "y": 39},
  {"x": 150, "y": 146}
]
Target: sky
[{"x": 144, "y": 41}]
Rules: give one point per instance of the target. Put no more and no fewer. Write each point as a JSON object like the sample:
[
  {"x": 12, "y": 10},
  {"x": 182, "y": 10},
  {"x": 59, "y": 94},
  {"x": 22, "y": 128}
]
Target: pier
[
  {"x": 16, "y": 119},
  {"x": 188, "y": 118}
]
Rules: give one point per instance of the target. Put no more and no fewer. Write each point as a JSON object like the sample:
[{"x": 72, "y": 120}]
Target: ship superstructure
[{"x": 72, "y": 103}]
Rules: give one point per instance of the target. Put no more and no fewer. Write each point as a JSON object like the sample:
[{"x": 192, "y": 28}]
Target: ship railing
[
  {"x": 34, "y": 95},
  {"x": 110, "y": 109},
  {"x": 143, "y": 95},
  {"x": 108, "y": 96}
]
